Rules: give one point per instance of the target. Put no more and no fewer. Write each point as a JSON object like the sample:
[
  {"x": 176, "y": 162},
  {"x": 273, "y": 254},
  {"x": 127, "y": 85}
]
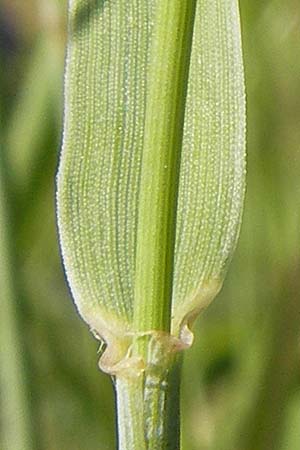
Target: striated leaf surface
[
  {"x": 99, "y": 174},
  {"x": 100, "y": 164},
  {"x": 212, "y": 177}
]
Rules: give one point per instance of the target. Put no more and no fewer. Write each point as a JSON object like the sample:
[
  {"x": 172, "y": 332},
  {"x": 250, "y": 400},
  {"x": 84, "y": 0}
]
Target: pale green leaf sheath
[
  {"x": 212, "y": 176},
  {"x": 150, "y": 186}
]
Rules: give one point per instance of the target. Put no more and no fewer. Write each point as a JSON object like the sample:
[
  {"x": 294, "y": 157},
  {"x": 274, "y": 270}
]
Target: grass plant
[
  {"x": 150, "y": 188},
  {"x": 240, "y": 378}
]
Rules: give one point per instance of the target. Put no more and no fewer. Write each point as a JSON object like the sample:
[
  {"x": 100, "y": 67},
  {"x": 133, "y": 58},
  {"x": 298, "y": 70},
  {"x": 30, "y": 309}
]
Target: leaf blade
[
  {"x": 100, "y": 166},
  {"x": 213, "y": 161},
  {"x": 103, "y": 121}
]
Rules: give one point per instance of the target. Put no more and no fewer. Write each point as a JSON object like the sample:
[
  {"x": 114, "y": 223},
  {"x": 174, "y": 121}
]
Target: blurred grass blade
[
  {"x": 29, "y": 121},
  {"x": 15, "y": 422}
]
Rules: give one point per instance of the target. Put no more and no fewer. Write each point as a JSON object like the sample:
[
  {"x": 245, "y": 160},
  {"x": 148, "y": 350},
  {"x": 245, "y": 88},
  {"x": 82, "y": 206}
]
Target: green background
[{"x": 241, "y": 383}]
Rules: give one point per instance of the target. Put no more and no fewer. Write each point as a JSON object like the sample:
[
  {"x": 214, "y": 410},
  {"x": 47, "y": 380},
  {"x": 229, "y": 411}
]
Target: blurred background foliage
[{"x": 241, "y": 384}]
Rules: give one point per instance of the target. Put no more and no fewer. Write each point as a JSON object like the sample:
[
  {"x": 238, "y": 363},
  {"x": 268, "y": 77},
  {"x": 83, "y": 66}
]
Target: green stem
[
  {"x": 148, "y": 409},
  {"x": 165, "y": 104},
  {"x": 145, "y": 418},
  {"x": 129, "y": 413}
]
